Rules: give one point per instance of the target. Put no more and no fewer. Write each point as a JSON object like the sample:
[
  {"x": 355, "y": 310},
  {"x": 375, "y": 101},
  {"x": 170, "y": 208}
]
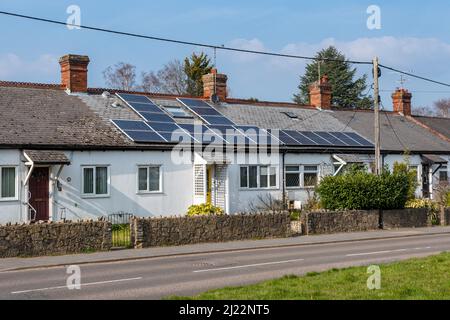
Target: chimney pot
[
  {"x": 74, "y": 72},
  {"x": 320, "y": 93},
  {"x": 401, "y": 99},
  {"x": 215, "y": 82}
]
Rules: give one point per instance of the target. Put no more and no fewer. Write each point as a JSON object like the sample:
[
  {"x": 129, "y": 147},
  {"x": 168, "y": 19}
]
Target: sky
[{"x": 413, "y": 36}]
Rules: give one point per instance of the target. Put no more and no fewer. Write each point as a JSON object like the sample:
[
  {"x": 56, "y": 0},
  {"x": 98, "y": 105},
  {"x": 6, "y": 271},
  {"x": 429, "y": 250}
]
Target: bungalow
[{"x": 70, "y": 151}]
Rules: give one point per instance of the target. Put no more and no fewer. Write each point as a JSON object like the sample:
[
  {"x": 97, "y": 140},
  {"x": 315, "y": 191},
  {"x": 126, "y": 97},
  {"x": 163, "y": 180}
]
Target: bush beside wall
[
  {"x": 172, "y": 231},
  {"x": 54, "y": 238}
]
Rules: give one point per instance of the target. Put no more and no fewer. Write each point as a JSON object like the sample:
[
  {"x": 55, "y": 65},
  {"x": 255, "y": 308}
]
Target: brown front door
[{"x": 39, "y": 192}]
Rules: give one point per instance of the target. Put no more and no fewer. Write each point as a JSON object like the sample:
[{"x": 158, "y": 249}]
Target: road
[{"x": 155, "y": 278}]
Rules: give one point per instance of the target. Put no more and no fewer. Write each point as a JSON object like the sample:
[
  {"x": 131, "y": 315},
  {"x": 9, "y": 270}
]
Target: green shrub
[
  {"x": 204, "y": 209},
  {"x": 365, "y": 191},
  {"x": 295, "y": 215},
  {"x": 403, "y": 168}
]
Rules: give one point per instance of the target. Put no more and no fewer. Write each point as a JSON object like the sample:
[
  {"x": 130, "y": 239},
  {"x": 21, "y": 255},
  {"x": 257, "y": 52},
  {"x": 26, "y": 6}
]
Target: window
[
  {"x": 95, "y": 181},
  {"x": 301, "y": 176},
  {"x": 149, "y": 179},
  {"x": 443, "y": 174},
  {"x": 290, "y": 115},
  {"x": 258, "y": 177},
  {"x": 178, "y": 112},
  {"x": 8, "y": 184}
]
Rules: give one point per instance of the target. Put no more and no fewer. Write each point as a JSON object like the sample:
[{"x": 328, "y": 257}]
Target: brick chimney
[
  {"x": 217, "y": 80},
  {"x": 74, "y": 72},
  {"x": 401, "y": 100},
  {"x": 320, "y": 93}
]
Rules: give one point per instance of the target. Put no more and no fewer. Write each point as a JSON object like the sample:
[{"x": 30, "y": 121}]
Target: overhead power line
[
  {"x": 414, "y": 76},
  {"x": 190, "y": 43}
]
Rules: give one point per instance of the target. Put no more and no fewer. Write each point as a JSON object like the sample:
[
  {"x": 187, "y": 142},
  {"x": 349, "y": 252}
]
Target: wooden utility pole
[{"x": 376, "y": 93}]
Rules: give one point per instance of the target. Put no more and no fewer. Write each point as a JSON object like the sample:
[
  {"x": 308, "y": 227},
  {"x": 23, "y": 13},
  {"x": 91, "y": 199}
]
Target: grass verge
[{"x": 420, "y": 278}]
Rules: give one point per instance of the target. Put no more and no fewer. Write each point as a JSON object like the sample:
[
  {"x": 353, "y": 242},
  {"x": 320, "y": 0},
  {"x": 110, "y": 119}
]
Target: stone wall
[
  {"x": 172, "y": 231},
  {"x": 447, "y": 216},
  {"x": 406, "y": 218},
  {"x": 339, "y": 221},
  {"x": 54, "y": 238}
]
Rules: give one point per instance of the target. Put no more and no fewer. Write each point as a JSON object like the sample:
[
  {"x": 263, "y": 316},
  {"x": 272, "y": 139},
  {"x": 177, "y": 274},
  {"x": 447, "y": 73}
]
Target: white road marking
[
  {"x": 82, "y": 284},
  {"x": 250, "y": 265},
  {"x": 380, "y": 252}
]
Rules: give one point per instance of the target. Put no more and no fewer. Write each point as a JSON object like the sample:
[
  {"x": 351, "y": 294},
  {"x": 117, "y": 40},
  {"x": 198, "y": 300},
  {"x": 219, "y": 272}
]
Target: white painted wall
[{"x": 175, "y": 198}]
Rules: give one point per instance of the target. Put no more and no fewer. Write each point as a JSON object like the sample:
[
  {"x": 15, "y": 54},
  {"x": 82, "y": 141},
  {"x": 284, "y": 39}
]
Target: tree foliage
[
  {"x": 169, "y": 79},
  {"x": 195, "y": 67},
  {"x": 347, "y": 92}
]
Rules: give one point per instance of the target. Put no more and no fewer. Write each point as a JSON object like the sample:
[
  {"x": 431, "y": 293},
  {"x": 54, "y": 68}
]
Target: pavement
[
  {"x": 160, "y": 272},
  {"x": 11, "y": 264}
]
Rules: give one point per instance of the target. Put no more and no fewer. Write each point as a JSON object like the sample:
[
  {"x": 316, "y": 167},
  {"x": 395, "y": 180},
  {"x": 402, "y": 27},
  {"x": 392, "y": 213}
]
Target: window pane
[
  {"x": 310, "y": 179},
  {"x": 292, "y": 180},
  {"x": 273, "y": 176},
  {"x": 443, "y": 176},
  {"x": 310, "y": 168},
  {"x": 88, "y": 179},
  {"x": 292, "y": 168},
  {"x": 142, "y": 179},
  {"x": 101, "y": 180},
  {"x": 8, "y": 179},
  {"x": 244, "y": 177},
  {"x": 263, "y": 176},
  {"x": 154, "y": 178},
  {"x": 253, "y": 176}
]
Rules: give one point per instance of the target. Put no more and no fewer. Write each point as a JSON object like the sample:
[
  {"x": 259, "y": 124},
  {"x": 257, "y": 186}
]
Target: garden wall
[
  {"x": 172, "y": 231},
  {"x": 406, "y": 218},
  {"x": 54, "y": 238},
  {"x": 322, "y": 222},
  {"x": 340, "y": 221}
]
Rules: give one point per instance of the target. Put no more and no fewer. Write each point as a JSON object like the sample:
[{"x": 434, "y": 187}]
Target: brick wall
[
  {"x": 54, "y": 238},
  {"x": 172, "y": 231}
]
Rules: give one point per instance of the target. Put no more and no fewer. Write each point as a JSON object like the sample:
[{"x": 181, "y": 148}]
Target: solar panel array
[{"x": 158, "y": 126}]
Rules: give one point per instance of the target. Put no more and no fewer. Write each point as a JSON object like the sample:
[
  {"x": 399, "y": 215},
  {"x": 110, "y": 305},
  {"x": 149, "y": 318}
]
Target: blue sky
[{"x": 413, "y": 37}]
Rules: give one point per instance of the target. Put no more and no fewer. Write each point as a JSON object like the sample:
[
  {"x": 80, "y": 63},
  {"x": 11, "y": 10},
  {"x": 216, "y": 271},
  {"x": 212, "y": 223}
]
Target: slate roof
[
  {"x": 49, "y": 118},
  {"x": 397, "y": 132},
  {"x": 441, "y": 125}
]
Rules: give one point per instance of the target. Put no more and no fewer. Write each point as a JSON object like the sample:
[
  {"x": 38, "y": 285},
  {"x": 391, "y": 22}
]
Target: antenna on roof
[{"x": 402, "y": 81}]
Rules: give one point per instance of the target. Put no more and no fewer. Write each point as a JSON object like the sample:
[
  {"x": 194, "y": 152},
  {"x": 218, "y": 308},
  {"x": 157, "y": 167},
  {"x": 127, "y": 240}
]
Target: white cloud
[
  {"x": 14, "y": 67},
  {"x": 278, "y": 77}
]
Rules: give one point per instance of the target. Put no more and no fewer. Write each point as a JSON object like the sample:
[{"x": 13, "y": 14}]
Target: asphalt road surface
[{"x": 155, "y": 278}]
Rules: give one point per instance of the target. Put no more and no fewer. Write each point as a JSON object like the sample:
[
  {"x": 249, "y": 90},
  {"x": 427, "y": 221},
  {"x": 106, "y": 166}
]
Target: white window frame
[
  {"x": 258, "y": 177},
  {"x": 16, "y": 184},
  {"x": 301, "y": 172},
  {"x": 108, "y": 183},
  {"x": 443, "y": 168},
  {"x": 160, "y": 189}
]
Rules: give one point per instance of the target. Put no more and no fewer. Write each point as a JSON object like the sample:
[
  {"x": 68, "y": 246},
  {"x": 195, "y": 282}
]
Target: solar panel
[
  {"x": 359, "y": 139},
  {"x": 159, "y": 117},
  {"x": 345, "y": 139},
  {"x": 303, "y": 140},
  {"x": 233, "y": 136},
  {"x": 202, "y": 133},
  {"x": 138, "y": 131},
  {"x": 283, "y": 137},
  {"x": 133, "y": 98},
  {"x": 217, "y": 120},
  {"x": 261, "y": 136},
  {"x": 171, "y": 131},
  {"x": 332, "y": 139},
  {"x": 205, "y": 112},
  {"x": 316, "y": 138},
  {"x": 144, "y": 107}
]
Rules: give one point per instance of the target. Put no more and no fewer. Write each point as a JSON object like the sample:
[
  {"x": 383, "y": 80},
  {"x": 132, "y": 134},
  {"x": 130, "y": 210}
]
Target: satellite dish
[{"x": 215, "y": 98}]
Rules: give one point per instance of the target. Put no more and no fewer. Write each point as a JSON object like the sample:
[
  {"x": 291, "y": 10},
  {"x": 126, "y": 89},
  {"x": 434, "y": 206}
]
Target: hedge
[{"x": 364, "y": 191}]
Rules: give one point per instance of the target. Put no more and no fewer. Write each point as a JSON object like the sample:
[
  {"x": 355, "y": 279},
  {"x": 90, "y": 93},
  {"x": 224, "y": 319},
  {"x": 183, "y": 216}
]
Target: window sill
[
  {"x": 144, "y": 193},
  {"x": 8, "y": 199},
  {"x": 300, "y": 188},
  {"x": 93, "y": 196},
  {"x": 259, "y": 189}
]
